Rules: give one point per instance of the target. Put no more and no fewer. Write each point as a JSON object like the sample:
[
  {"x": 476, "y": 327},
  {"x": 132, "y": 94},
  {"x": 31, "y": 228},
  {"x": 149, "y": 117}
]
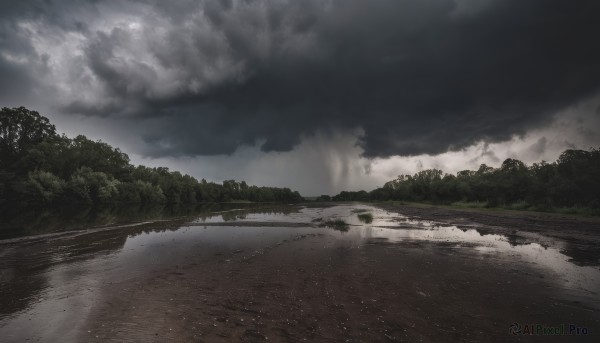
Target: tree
[
  {"x": 37, "y": 166},
  {"x": 21, "y": 129},
  {"x": 98, "y": 156},
  {"x": 41, "y": 187}
]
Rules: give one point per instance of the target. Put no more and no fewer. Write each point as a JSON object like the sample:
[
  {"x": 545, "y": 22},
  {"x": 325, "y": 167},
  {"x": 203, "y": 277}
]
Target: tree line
[
  {"x": 40, "y": 167},
  {"x": 571, "y": 182}
]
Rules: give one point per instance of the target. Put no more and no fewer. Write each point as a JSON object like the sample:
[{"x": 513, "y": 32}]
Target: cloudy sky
[{"x": 317, "y": 95}]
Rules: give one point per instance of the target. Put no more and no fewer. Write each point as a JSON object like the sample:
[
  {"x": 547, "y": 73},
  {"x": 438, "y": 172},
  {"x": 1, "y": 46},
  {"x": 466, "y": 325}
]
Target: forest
[
  {"x": 39, "y": 167},
  {"x": 571, "y": 185}
]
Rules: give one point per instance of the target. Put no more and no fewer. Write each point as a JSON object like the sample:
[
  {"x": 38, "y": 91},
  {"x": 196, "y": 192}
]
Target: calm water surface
[{"x": 49, "y": 285}]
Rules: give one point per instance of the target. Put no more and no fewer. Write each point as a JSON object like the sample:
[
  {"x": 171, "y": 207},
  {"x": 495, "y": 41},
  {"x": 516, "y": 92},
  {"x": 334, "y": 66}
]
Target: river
[{"x": 288, "y": 274}]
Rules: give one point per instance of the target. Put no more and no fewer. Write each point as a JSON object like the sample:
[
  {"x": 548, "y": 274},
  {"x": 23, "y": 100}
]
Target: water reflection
[
  {"x": 42, "y": 278},
  {"x": 531, "y": 248},
  {"x": 26, "y": 268},
  {"x": 31, "y": 267},
  {"x": 263, "y": 213},
  {"x": 551, "y": 254},
  {"x": 549, "y": 258},
  {"x": 43, "y": 221}
]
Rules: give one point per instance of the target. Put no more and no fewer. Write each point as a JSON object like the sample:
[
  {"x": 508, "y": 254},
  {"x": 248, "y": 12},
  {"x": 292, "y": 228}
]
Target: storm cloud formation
[{"x": 206, "y": 77}]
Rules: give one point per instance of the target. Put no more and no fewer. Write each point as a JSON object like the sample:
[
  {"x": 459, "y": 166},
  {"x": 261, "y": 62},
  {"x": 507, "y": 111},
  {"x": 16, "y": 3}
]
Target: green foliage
[
  {"x": 149, "y": 193},
  {"x": 572, "y": 183},
  {"x": 39, "y": 167},
  {"x": 43, "y": 187},
  {"x": 129, "y": 192},
  {"x": 336, "y": 224},
  {"x": 366, "y": 218},
  {"x": 77, "y": 191},
  {"x": 351, "y": 196},
  {"x": 323, "y": 198},
  {"x": 21, "y": 129}
]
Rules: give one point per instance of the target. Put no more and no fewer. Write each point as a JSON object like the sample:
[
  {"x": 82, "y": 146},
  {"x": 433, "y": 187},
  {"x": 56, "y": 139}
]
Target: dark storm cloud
[
  {"x": 417, "y": 76},
  {"x": 15, "y": 77}
]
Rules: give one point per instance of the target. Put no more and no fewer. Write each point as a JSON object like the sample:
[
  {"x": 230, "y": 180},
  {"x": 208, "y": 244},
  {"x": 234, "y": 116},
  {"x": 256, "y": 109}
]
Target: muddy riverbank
[
  {"x": 581, "y": 233},
  {"x": 412, "y": 274}
]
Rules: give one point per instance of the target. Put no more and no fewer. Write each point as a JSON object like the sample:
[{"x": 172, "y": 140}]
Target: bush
[
  {"x": 43, "y": 187},
  {"x": 366, "y": 218}
]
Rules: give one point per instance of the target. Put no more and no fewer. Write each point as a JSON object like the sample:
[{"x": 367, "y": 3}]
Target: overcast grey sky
[{"x": 317, "y": 95}]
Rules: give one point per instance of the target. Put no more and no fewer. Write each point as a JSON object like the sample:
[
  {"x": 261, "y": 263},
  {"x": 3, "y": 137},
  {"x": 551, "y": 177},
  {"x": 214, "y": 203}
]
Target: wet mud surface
[{"x": 412, "y": 274}]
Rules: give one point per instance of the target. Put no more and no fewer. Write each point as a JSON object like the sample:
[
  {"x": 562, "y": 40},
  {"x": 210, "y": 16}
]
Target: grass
[
  {"x": 336, "y": 224},
  {"x": 585, "y": 211},
  {"x": 470, "y": 204},
  {"x": 525, "y": 206},
  {"x": 520, "y": 206},
  {"x": 238, "y": 202},
  {"x": 366, "y": 218}
]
